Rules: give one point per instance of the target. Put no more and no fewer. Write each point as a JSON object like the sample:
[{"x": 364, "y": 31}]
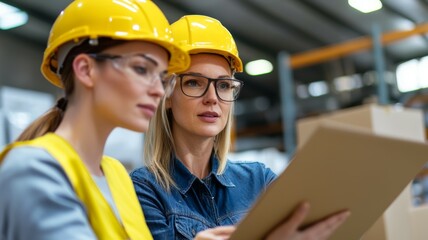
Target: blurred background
[{"x": 303, "y": 58}]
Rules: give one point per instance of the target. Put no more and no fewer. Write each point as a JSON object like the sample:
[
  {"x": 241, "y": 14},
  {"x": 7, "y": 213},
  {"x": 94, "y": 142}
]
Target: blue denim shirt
[{"x": 195, "y": 204}]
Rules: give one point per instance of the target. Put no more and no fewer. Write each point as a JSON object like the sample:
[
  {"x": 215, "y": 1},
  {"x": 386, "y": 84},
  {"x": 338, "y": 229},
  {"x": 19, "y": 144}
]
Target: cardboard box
[
  {"x": 401, "y": 220},
  {"x": 339, "y": 167}
]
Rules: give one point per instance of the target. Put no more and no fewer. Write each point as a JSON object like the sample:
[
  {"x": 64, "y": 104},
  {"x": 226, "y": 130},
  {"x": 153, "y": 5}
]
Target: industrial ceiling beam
[{"x": 349, "y": 47}]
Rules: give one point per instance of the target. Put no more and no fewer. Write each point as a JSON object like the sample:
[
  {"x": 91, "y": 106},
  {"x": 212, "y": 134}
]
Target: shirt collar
[{"x": 184, "y": 178}]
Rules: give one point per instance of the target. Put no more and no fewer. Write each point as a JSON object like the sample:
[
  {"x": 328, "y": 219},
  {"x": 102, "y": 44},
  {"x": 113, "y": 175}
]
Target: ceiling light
[
  {"x": 317, "y": 89},
  {"x": 365, "y": 6},
  {"x": 348, "y": 82},
  {"x": 258, "y": 67},
  {"x": 11, "y": 17}
]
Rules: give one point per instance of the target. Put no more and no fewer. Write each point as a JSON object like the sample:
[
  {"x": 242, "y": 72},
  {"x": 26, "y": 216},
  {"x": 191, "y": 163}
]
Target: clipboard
[{"x": 339, "y": 167}]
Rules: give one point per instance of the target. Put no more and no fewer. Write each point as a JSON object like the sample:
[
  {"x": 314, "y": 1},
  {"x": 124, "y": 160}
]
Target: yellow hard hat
[
  {"x": 116, "y": 19},
  {"x": 203, "y": 34}
]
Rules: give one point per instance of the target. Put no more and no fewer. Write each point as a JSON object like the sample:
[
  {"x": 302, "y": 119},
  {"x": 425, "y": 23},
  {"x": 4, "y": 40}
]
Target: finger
[
  {"x": 298, "y": 216},
  {"x": 289, "y": 227},
  {"x": 218, "y": 233},
  {"x": 325, "y": 228},
  {"x": 223, "y": 230}
]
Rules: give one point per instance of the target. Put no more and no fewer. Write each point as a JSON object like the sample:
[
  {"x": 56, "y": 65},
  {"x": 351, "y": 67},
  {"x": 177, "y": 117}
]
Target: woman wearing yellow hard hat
[
  {"x": 113, "y": 59},
  {"x": 188, "y": 185}
]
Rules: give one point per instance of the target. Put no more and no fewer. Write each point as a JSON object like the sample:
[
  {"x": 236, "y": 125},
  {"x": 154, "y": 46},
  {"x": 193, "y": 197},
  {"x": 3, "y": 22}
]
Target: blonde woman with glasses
[{"x": 188, "y": 185}]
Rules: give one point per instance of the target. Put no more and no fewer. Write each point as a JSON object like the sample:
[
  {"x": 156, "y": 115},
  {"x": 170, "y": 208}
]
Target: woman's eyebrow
[
  {"x": 195, "y": 73},
  {"x": 224, "y": 76},
  {"x": 149, "y": 59},
  {"x": 199, "y": 74}
]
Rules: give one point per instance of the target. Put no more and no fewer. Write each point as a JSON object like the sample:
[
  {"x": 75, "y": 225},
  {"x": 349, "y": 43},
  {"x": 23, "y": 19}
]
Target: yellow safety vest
[{"x": 100, "y": 214}]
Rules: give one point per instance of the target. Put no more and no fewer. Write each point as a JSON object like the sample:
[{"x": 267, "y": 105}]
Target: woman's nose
[
  {"x": 157, "y": 88},
  {"x": 210, "y": 96}
]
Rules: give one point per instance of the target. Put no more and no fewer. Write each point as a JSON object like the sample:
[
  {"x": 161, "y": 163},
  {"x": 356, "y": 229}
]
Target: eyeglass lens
[
  {"x": 139, "y": 67},
  {"x": 197, "y": 86}
]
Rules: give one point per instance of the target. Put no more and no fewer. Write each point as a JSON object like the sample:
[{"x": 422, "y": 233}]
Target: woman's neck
[
  {"x": 195, "y": 154},
  {"x": 86, "y": 135}
]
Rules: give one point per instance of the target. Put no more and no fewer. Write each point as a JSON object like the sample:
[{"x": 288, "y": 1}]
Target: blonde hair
[{"x": 159, "y": 147}]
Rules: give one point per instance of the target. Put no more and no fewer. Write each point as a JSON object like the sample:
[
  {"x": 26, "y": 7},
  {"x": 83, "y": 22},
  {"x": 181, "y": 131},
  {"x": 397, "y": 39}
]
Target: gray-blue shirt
[{"x": 37, "y": 201}]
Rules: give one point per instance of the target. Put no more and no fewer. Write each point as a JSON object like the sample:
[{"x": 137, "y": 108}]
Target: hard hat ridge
[{"x": 203, "y": 34}]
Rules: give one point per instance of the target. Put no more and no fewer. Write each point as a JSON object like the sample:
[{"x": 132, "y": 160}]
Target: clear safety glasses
[
  {"x": 194, "y": 85},
  {"x": 139, "y": 67}
]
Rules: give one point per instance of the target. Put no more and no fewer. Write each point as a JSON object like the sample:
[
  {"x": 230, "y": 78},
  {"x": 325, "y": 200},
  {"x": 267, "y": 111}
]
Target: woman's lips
[
  {"x": 209, "y": 117},
  {"x": 148, "y": 110}
]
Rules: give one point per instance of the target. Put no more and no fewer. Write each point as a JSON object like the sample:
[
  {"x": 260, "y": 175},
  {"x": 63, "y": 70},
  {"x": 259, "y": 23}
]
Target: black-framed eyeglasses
[
  {"x": 139, "y": 67},
  {"x": 195, "y": 85}
]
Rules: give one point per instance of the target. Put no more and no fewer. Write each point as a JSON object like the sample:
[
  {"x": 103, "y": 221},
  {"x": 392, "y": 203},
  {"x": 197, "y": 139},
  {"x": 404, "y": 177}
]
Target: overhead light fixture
[
  {"x": 258, "y": 67},
  {"x": 11, "y": 17},
  {"x": 318, "y": 88},
  {"x": 365, "y": 6},
  {"x": 348, "y": 83}
]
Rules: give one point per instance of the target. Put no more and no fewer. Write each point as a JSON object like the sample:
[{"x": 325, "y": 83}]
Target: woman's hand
[
  {"x": 218, "y": 233},
  {"x": 289, "y": 230}
]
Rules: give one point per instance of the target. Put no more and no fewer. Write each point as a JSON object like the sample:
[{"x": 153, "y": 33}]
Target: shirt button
[{"x": 193, "y": 232}]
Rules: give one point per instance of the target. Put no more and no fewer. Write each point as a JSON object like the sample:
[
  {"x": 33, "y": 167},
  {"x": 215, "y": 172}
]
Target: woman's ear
[{"x": 83, "y": 67}]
